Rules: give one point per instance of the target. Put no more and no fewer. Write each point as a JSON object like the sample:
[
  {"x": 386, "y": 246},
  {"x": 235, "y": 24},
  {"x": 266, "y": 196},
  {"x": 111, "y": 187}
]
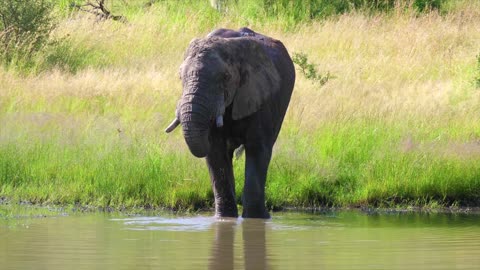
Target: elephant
[{"x": 236, "y": 89}]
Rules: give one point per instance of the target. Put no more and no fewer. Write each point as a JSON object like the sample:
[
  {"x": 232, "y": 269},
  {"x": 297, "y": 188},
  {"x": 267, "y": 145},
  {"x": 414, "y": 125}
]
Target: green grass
[
  {"x": 398, "y": 124},
  {"x": 108, "y": 170},
  {"x": 360, "y": 163}
]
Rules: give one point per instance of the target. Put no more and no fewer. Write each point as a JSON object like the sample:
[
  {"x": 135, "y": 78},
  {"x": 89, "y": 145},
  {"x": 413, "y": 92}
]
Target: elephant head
[{"x": 217, "y": 73}]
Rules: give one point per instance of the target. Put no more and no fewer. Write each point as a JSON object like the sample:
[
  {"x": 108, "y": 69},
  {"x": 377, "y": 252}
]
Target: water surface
[{"x": 336, "y": 240}]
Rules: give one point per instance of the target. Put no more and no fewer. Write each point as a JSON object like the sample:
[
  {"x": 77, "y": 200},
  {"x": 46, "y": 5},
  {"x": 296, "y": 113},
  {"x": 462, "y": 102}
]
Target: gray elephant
[{"x": 236, "y": 90}]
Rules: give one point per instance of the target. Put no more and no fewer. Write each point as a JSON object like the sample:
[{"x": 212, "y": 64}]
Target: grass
[{"x": 397, "y": 124}]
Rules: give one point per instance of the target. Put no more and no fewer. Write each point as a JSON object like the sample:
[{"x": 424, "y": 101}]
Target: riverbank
[
  {"x": 24, "y": 210},
  {"x": 397, "y": 124}
]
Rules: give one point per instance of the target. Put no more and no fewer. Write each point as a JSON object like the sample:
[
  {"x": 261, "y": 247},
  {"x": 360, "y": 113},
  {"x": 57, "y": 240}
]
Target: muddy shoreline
[{"x": 147, "y": 210}]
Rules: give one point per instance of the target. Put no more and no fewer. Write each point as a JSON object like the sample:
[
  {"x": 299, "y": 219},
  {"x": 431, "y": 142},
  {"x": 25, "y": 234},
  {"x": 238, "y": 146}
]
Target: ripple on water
[{"x": 198, "y": 223}]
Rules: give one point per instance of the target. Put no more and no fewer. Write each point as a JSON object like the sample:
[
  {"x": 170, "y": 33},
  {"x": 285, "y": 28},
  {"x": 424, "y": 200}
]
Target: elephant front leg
[
  {"x": 257, "y": 161},
  {"x": 223, "y": 183}
]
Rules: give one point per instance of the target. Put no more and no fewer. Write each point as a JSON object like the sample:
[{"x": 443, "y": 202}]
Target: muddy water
[{"x": 341, "y": 240}]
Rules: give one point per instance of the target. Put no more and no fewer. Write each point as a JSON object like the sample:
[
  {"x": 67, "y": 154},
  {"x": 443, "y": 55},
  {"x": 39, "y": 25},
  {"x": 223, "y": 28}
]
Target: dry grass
[{"x": 399, "y": 66}]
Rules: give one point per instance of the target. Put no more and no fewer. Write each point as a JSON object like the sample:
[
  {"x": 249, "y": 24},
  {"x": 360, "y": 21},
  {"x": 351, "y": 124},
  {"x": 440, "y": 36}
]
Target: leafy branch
[{"x": 308, "y": 69}]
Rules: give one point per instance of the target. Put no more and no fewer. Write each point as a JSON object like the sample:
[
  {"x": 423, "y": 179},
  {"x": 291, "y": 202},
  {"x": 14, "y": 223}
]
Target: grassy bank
[{"x": 398, "y": 124}]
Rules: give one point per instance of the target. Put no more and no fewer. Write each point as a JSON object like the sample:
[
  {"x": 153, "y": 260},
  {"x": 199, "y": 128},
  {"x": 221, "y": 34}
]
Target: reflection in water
[
  {"x": 222, "y": 248},
  {"x": 254, "y": 248},
  {"x": 342, "y": 240}
]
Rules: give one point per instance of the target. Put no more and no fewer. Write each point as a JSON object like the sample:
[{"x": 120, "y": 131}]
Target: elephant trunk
[
  {"x": 197, "y": 143},
  {"x": 195, "y": 120}
]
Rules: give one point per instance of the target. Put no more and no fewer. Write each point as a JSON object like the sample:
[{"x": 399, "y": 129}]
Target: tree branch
[{"x": 99, "y": 9}]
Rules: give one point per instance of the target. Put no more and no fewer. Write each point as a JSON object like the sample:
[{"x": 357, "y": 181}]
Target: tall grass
[{"x": 398, "y": 123}]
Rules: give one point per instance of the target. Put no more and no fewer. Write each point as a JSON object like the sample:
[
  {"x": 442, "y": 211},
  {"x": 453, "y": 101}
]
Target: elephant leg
[
  {"x": 257, "y": 161},
  {"x": 219, "y": 162}
]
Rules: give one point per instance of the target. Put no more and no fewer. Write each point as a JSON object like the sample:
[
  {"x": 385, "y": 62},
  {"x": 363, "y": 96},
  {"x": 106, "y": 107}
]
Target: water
[{"x": 336, "y": 240}]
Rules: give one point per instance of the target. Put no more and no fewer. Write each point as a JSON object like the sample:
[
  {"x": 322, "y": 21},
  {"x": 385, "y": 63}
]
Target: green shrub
[
  {"x": 308, "y": 69},
  {"x": 64, "y": 55},
  {"x": 477, "y": 73},
  {"x": 25, "y": 28},
  {"x": 384, "y": 5},
  {"x": 423, "y": 5}
]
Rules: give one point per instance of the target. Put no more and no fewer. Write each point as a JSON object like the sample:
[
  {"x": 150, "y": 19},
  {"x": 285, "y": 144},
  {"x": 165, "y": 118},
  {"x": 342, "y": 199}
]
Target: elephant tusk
[
  {"x": 172, "y": 125},
  {"x": 239, "y": 151},
  {"x": 219, "y": 121}
]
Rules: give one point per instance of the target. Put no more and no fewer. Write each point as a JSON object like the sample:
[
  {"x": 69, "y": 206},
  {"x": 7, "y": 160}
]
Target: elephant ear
[
  {"x": 259, "y": 79},
  {"x": 193, "y": 48}
]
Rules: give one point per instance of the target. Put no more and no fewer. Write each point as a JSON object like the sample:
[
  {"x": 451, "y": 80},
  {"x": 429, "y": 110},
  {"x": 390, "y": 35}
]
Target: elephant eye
[{"x": 227, "y": 76}]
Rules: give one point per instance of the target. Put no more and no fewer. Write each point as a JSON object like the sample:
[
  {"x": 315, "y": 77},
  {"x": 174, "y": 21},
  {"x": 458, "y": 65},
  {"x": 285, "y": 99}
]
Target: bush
[
  {"x": 65, "y": 55},
  {"x": 25, "y": 28},
  {"x": 423, "y": 5}
]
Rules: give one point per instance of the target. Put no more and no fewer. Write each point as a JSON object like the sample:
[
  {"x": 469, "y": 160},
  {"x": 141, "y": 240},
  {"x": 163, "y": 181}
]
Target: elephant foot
[
  {"x": 255, "y": 213},
  {"x": 230, "y": 214},
  {"x": 222, "y": 211}
]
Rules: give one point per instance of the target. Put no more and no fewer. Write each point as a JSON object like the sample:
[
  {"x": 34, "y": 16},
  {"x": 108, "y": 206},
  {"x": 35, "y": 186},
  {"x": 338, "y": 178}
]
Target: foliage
[
  {"x": 308, "y": 69},
  {"x": 477, "y": 77},
  {"x": 25, "y": 28},
  {"x": 296, "y": 12},
  {"x": 423, "y": 5},
  {"x": 65, "y": 55}
]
